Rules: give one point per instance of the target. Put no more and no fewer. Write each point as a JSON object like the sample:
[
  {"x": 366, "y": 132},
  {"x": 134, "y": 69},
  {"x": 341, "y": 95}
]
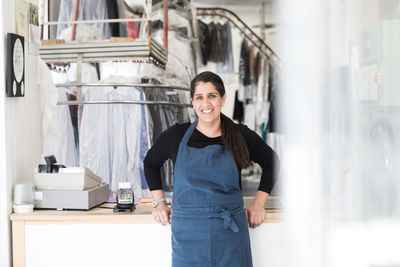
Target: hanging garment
[
  {"x": 136, "y": 5},
  {"x": 181, "y": 62},
  {"x": 73, "y": 111},
  {"x": 110, "y": 136},
  {"x": 144, "y": 139},
  {"x": 88, "y": 10},
  {"x": 266, "y": 80},
  {"x": 257, "y": 67},
  {"x": 131, "y": 27},
  {"x": 163, "y": 117},
  {"x": 112, "y": 7},
  {"x": 57, "y": 132},
  {"x": 218, "y": 52},
  {"x": 161, "y": 122},
  {"x": 244, "y": 71},
  {"x": 227, "y": 66},
  {"x": 272, "y": 122},
  {"x": 68, "y": 75},
  {"x": 250, "y": 116},
  {"x": 176, "y": 20},
  {"x": 184, "y": 97},
  {"x": 204, "y": 39},
  {"x": 251, "y": 64},
  {"x": 208, "y": 222},
  {"x": 121, "y": 12},
  {"x": 259, "y": 95},
  {"x": 238, "y": 110}
]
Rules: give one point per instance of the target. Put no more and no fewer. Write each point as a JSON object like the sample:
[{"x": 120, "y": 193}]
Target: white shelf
[{"x": 138, "y": 50}]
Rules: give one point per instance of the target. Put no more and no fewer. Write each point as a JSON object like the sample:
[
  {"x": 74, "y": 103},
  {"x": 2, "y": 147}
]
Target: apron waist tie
[
  {"x": 222, "y": 213},
  {"x": 226, "y": 215}
]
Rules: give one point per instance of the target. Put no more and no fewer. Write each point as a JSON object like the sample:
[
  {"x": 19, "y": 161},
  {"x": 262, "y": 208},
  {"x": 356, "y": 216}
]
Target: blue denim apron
[{"x": 209, "y": 226}]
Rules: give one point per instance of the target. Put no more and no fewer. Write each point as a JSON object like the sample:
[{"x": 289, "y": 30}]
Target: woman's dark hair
[{"x": 231, "y": 136}]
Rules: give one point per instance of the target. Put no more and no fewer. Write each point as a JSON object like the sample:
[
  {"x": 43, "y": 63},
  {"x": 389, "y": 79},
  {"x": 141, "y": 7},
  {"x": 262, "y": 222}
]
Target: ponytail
[{"x": 233, "y": 139}]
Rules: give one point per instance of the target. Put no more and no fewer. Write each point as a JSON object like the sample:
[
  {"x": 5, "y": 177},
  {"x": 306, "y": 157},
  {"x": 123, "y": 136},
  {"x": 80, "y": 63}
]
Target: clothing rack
[
  {"x": 239, "y": 24},
  {"x": 143, "y": 102},
  {"x": 115, "y": 85},
  {"x": 136, "y": 51}
]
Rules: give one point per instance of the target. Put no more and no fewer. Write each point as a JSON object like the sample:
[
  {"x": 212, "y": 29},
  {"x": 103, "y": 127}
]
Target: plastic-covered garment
[
  {"x": 68, "y": 75},
  {"x": 250, "y": 116},
  {"x": 205, "y": 40},
  {"x": 181, "y": 62},
  {"x": 111, "y": 136},
  {"x": 162, "y": 119},
  {"x": 136, "y": 5},
  {"x": 57, "y": 132},
  {"x": 88, "y": 10},
  {"x": 238, "y": 109},
  {"x": 131, "y": 27},
  {"x": 121, "y": 13},
  {"x": 250, "y": 89},
  {"x": 112, "y": 8},
  {"x": 176, "y": 20},
  {"x": 216, "y": 45},
  {"x": 146, "y": 123},
  {"x": 266, "y": 81},
  {"x": 164, "y": 116},
  {"x": 259, "y": 94},
  {"x": 184, "y": 97},
  {"x": 244, "y": 71},
  {"x": 228, "y": 65},
  {"x": 219, "y": 45}
]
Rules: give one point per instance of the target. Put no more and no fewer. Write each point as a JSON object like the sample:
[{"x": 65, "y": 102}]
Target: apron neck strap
[{"x": 188, "y": 133}]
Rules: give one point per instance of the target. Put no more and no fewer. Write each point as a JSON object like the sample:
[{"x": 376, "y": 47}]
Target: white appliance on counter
[
  {"x": 70, "y": 188},
  {"x": 23, "y": 196}
]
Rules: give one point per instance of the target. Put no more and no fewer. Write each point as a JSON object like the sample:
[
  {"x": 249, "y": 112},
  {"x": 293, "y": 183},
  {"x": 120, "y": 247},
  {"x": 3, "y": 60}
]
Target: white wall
[
  {"x": 20, "y": 133},
  {"x": 4, "y": 233}
]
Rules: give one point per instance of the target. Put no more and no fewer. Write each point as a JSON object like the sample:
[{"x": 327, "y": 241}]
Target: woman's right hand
[{"x": 162, "y": 214}]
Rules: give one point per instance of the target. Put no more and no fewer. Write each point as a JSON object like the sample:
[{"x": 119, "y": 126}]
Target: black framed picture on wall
[{"x": 15, "y": 68}]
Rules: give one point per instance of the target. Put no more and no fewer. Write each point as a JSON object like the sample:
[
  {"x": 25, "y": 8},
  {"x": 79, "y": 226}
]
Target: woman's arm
[
  {"x": 262, "y": 154},
  {"x": 161, "y": 213},
  {"x": 256, "y": 212},
  {"x": 155, "y": 157}
]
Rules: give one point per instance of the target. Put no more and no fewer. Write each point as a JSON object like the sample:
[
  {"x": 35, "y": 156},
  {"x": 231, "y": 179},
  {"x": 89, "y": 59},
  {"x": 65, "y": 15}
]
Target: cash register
[{"x": 59, "y": 187}]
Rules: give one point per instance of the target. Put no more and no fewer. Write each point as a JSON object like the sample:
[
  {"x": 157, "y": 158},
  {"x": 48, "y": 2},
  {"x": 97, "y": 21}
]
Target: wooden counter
[{"x": 103, "y": 216}]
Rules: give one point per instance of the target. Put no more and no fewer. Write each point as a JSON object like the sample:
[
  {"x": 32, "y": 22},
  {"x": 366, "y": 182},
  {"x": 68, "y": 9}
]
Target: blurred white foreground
[{"x": 340, "y": 114}]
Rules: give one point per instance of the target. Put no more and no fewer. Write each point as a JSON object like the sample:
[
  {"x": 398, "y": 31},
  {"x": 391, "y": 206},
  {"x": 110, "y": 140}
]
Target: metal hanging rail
[
  {"x": 143, "y": 102},
  {"x": 248, "y": 33},
  {"x": 142, "y": 85},
  {"x": 115, "y": 85}
]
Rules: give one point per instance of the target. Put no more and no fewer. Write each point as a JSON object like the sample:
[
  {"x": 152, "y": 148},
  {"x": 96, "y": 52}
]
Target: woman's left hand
[{"x": 255, "y": 215}]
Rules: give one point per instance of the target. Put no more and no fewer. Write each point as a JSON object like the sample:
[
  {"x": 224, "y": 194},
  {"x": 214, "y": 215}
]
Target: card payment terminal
[{"x": 125, "y": 199}]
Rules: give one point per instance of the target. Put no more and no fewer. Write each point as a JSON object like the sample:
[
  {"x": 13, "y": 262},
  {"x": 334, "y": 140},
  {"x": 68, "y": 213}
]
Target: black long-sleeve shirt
[{"x": 167, "y": 146}]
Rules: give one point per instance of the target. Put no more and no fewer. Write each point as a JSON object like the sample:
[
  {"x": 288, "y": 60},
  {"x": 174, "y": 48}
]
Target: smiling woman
[
  {"x": 207, "y": 102},
  {"x": 209, "y": 221}
]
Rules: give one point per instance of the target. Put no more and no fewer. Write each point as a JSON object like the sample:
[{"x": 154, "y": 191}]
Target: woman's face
[{"x": 207, "y": 102}]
